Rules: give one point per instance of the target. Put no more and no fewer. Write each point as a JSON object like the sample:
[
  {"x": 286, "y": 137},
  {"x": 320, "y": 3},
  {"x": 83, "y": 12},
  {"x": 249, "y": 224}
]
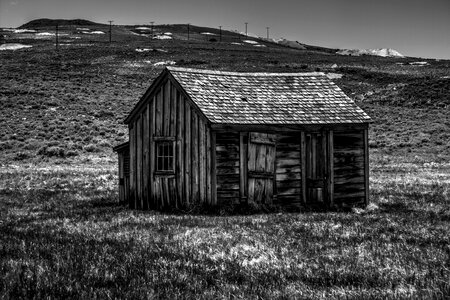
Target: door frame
[
  {"x": 328, "y": 189},
  {"x": 244, "y": 144}
]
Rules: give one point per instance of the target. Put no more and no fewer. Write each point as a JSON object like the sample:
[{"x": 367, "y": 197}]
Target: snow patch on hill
[
  {"x": 20, "y": 30},
  {"x": 164, "y": 36},
  {"x": 14, "y": 46},
  {"x": 383, "y": 52},
  {"x": 292, "y": 44},
  {"x": 164, "y": 63},
  {"x": 45, "y": 34},
  {"x": 419, "y": 63},
  {"x": 93, "y": 32}
]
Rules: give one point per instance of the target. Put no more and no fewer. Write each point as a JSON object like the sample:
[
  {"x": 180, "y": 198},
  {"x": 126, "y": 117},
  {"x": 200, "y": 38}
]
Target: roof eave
[{"x": 121, "y": 146}]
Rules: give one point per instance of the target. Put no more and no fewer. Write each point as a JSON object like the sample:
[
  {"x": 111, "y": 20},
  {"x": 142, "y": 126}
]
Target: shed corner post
[
  {"x": 303, "y": 165},
  {"x": 330, "y": 168},
  {"x": 213, "y": 169},
  {"x": 131, "y": 198},
  {"x": 121, "y": 177},
  {"x": 366, "y": 165},
  {"x": 243, "y": 168}
]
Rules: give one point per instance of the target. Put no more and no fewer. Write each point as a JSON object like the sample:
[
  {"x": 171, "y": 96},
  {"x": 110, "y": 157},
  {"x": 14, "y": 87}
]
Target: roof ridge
[{"x": 256, "y": 74}]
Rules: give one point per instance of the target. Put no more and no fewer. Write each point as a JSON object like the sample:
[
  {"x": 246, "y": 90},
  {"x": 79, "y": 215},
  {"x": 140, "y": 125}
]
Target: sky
[{"x": 419, "y": 28}]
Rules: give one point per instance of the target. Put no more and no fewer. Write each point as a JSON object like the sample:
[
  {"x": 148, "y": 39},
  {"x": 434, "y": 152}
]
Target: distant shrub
[
  {"x": 104, "y": 144},
  {"x": 91, "y": 148},
  {"x": 6, "y": 145},
  {"x": 213, "y": 40},
  {"x": 71, "y": 153},
  {"x": 21, "y": 156},
  {"x": 103, "y": 114},
  {"x": 32, "y": 144},
  {"x": 54, "y": 151},
  {"x": 51, "y": 151}
]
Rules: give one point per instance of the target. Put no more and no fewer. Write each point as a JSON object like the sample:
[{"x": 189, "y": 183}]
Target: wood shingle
[{"x": 268, "y": 98}]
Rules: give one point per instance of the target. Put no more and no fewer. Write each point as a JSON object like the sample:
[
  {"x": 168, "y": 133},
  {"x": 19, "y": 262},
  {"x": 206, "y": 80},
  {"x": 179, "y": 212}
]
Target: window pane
[
  {"x": 164, "y": 156},
  {"x": 159, "y": 164}
]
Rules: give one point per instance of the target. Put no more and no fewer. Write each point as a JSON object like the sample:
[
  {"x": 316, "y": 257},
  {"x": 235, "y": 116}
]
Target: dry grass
[{"x": 62, "y": 235}]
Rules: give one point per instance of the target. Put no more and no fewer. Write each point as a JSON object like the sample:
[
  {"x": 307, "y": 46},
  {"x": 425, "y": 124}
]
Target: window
[{"x": 165, "y": 150}]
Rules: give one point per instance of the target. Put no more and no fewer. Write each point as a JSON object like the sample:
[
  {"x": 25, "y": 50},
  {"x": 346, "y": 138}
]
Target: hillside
[
  {"x": 53, "y": 22},
  {"x": 69, "y": 104}
]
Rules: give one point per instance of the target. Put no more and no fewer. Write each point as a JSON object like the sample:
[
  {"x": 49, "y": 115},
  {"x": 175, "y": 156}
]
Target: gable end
[
  {"x": 147, "y": 95},
  {"x": 153, "y": 90}
]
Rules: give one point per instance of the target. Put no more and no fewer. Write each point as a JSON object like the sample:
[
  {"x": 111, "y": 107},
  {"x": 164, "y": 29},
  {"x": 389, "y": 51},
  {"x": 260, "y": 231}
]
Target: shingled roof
[{"x": 268, "y": 98}]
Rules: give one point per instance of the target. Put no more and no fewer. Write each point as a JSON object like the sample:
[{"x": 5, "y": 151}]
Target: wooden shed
[{"x": 201, "y": 137}]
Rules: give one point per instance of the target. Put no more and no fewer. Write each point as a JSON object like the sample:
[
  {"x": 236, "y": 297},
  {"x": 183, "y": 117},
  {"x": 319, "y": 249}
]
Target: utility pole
[
  {"x": 188, "y": 30},
  {"x": 220, "y": 33},
  {"x": 267, "y": 32},
  {"x": 110, "y": 30},
  {"x": 56, "y": 35},
  {"x": 152, "y": 27},
  {"x": 246, "y": 29}
]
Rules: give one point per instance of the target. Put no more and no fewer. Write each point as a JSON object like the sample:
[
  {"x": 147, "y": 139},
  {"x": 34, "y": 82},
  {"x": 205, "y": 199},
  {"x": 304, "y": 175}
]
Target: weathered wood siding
[
  {"x": 170, "y": 115},
  {"x": 217, "y": 167},
  {"x": 261, "y": 174},
  {"x": 227, "y": 166},
  {"x": 288, "y": 169},
  {"x": 349, "y": 175},
  {"x": 124, "y": 175}
]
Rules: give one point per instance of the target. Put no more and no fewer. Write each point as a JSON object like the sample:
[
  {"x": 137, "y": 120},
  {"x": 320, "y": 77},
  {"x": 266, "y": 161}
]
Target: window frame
[{"x": 168, "y": 158}]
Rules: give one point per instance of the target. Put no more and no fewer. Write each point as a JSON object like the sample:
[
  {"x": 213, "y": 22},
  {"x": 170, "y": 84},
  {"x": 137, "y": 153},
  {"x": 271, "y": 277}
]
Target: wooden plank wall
[
  {"x": 170, "y": 114},
  {"x": 227, "y": 166},
  {"x": 132, "y": 135},
  {"x": 349, "y": 179},
  {"x": 121, "y": 177},
  {"x": 288, "y": 169},
  {"x": 124, "y": 175},
  {"x": 126, "y": 171}
]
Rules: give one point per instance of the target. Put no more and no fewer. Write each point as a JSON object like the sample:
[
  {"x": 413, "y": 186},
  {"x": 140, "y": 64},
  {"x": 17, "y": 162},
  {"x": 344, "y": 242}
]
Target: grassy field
[{"x": 63, "y": 235}]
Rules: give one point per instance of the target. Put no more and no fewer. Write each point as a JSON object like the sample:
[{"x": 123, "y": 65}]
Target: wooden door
[
  {"x": 261, "y": 167},
  {"x": 316, "y": 162}
]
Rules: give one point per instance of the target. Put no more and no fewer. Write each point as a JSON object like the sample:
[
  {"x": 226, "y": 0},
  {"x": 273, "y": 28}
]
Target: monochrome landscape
[{"x": 64, "y": 94}]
